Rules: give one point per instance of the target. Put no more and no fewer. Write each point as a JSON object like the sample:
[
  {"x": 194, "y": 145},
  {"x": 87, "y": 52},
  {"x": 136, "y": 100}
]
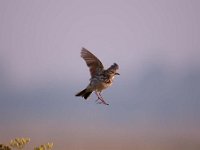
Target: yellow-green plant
[
  {"x": 19, "y": 143},
  {"x": 4, "y": 147},
  {"x": 47, "y": 146}
]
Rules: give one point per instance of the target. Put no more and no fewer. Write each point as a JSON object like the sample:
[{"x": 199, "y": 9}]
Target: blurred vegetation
[
  {"x": 19, "y": 143},
  {"x": 4, "y": 147},
  {"x": 47, "y": 146}
]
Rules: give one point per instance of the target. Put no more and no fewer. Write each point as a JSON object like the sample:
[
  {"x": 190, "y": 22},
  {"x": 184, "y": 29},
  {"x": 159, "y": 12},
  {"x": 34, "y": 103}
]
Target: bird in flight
[{"x": 100, "y": 78}]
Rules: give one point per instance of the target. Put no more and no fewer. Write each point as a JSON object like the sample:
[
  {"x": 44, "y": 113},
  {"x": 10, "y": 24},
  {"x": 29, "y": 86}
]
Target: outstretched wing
[{"x": 92, "y": 61}]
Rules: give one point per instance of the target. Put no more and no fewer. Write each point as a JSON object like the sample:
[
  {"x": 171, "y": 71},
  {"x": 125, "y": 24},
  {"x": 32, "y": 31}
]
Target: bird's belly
[{"x": 101, "y": 86}]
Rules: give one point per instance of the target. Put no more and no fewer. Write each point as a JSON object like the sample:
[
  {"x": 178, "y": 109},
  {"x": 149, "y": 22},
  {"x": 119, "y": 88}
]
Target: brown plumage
[{"x": 100, "y": 78}]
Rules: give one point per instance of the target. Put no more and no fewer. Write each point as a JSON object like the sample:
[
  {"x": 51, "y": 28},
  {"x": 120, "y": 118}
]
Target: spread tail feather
[{"x": 84, "y": 93}]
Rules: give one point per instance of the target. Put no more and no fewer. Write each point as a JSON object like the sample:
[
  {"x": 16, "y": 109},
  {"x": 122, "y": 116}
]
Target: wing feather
[{"x": 92, "y": 61}]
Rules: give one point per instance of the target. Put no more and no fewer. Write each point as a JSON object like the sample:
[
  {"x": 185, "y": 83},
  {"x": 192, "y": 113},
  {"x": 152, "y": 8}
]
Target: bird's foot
[{"x": 101, "y": 101}]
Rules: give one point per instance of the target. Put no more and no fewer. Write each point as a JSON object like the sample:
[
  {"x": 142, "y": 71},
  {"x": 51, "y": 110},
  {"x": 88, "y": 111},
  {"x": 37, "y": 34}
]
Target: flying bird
[{"x": 100, "y": 78}]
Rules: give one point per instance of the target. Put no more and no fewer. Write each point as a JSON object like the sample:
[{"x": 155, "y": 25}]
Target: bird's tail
[{"x": 84, "y": 93}]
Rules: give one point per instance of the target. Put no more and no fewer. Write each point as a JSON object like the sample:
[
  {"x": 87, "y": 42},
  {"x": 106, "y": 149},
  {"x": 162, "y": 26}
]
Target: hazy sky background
[{"x": 154, "y": 103}]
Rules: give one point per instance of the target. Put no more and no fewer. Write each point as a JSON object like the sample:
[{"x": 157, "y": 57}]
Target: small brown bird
[{"x": 100, "y": 78}]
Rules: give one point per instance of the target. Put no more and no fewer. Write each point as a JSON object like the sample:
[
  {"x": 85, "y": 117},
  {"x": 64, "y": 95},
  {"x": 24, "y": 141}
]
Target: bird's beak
[{"x": 117, "y": 73}]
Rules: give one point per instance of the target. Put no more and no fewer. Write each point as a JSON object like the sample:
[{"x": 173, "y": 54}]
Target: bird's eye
[{"x": 112, "y": 72}]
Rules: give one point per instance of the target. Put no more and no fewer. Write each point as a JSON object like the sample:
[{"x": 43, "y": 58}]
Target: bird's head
[{"x": 112, "y": 70}]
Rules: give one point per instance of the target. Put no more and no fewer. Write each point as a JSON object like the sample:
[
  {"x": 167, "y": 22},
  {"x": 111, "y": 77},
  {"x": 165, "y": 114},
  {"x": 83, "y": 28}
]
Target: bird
[{"x": 100, "y": 78}]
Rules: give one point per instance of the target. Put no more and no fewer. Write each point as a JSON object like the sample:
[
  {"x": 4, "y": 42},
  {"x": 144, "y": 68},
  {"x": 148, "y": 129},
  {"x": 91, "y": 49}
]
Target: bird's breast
[{"x": 100, "y": 85}]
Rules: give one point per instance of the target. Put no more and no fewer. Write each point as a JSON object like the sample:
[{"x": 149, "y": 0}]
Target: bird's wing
[{"x": 92, "y": 61}]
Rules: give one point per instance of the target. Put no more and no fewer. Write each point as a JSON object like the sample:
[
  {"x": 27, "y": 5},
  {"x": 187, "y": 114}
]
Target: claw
[
  {"x": 97, "y": 101},
  {"x": 101, "y": 99}
]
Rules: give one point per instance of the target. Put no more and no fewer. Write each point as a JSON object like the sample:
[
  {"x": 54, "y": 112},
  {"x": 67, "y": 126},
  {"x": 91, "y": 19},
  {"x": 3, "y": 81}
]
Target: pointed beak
[{"x": 117, "y": 73}]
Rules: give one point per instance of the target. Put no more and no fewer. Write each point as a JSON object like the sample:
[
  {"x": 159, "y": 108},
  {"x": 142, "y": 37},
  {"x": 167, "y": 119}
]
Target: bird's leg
[
  {"x": 97, "y": 95},
  {"x": 100, "y": 95},
  {"x": 100, "y": 98}
]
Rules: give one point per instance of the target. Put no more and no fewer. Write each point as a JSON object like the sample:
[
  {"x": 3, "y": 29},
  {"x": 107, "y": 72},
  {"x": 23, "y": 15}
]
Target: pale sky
[{"x": 155, "y": 42}]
